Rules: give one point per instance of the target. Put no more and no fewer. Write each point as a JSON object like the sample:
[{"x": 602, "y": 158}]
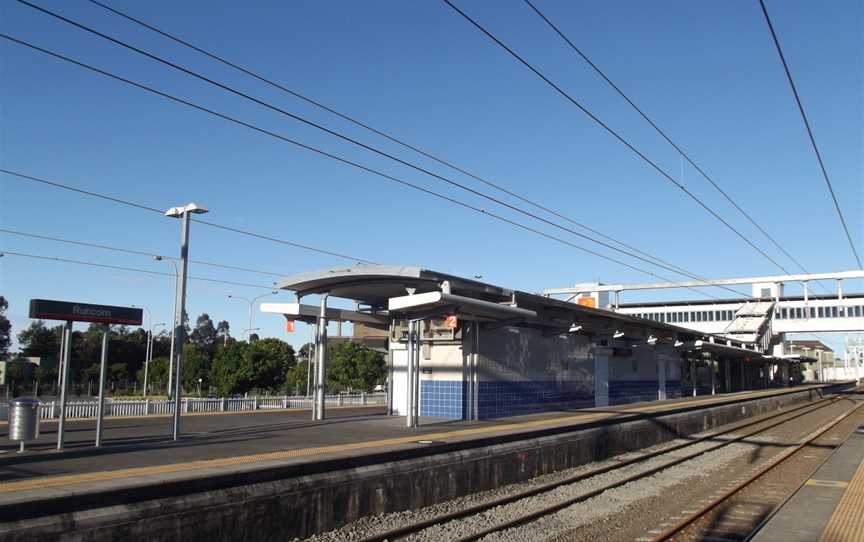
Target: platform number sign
[
  {"x": 451, "y": 321},
  {"x": 289, "y": 326}
]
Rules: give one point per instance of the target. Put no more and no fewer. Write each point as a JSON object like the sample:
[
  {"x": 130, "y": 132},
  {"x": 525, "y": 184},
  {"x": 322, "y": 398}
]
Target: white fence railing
[{"x": 50, "y": 410}]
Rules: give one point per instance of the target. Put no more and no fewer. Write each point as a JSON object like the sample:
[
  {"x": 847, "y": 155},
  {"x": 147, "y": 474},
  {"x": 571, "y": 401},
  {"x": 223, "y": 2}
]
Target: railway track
[
  {"x": 741, "y": 509},
  {"x": 728, "y": 436}
]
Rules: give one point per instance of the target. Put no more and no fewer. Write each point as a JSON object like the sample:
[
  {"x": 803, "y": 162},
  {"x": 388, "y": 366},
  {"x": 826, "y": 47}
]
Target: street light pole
[
  {"x": 182, "y": 213},
  {"x": 150, "y": 355},
  {"x": 251, "y": 306},
  {"x": 174, "y": 325}
]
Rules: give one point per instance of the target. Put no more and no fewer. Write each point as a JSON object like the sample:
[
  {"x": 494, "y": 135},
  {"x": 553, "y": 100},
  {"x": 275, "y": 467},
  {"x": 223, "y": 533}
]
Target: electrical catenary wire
[
  {"x": 615, "y": 134},
  {"x": 136, "y": 252},
  {"x": 121, "y": 201},
  {"x": 338, "y": 158},
  {"x": 810, "y": 133},
  {"x": 354, "y": 141},
  {"x": 376, "y": 131},
  {"x": 131, "y": 269},
  {"x": 662, "y": 133}
]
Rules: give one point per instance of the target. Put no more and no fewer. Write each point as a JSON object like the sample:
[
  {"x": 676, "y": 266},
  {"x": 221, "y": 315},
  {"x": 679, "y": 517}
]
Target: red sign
[
  {"x": 289, "y": 326},
  {"x": 587, "y": 302},
  {"x": 451, "y": 321}
]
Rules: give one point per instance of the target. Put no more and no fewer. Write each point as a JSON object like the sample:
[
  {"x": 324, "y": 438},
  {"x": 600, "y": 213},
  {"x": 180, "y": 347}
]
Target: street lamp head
[
  {"x": 157, "y": 258},
  {"x": 178, "y": 212}
]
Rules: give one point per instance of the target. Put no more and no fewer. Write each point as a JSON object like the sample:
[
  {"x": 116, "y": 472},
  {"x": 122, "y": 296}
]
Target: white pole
[
  {"x": 67, "y": 353},
  {"x": 100, "y": 412}
]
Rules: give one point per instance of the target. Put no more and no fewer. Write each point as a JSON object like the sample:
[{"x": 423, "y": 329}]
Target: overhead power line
[
  {"x": 810, "y": 133},
  {"x": 662, "y": 133},
  {"x": 334, "y": 157},
  {"x": 136, "y": 252},
  {"x": 353, "y": 141},
  {"x": 376, "y": 131},
  {"x": 615, "y": 134},
  {"x": 114, "y": 199},
  {"x": 131, "y": 269}
]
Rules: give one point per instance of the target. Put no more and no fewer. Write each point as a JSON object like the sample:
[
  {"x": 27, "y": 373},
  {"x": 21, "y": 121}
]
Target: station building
[{"x": 460, "y": 348}]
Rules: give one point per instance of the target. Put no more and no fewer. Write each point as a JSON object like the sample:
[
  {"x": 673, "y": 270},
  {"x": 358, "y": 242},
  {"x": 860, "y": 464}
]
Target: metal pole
[
  {"x": 322, "y": 360},
  {"x": 416, "y": 406},
  {"x": 409, "y": 380},
  {"x": 147, "y": 359},
  {"x": 180, "y": 316},
  {"x": 173, "y": 332},
  {"x": 60, "y": 355},
  {"x": 251, "y": 303},
  {"x": 67, "y": 353},
  {"x": 310, "y": 353},
  {"x": 103, "y": 364}
]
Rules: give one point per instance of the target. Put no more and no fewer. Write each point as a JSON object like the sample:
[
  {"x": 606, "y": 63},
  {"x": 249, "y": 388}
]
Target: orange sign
[
  {"x": 451, "y": 321},
  {"x": 289, "y": 326},
  {"x": 587, "y": 302}
]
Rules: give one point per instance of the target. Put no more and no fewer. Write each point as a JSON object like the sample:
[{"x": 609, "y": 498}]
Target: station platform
[
  {"x": 141, "y": 447},
  {"x": 277, "y": 452},
  {"x": 829, "y": 507}
]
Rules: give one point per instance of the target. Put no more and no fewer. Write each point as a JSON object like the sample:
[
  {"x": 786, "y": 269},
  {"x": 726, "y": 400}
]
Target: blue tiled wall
[
  {"x": 500, "y": 399},
  {"x": 632, "y": 391},
  {"x": 442, "y": 398}
]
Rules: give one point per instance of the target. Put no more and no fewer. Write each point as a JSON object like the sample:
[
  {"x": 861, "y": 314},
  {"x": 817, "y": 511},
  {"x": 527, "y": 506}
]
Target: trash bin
[{"x": 23, "y": 420}]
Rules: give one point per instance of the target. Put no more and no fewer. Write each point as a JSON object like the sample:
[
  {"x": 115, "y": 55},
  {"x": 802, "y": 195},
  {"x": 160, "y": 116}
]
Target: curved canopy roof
[{"x": 375, "y": 284}]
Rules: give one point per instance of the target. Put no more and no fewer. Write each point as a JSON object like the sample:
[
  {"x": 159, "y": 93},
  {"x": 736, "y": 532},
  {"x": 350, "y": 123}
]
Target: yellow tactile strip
[
  {"x": 101, "y": 476},
  {"x": 847, "y": 521}
]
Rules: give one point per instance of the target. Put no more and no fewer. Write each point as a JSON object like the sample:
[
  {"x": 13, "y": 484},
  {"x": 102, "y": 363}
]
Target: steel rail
[
  {"x": 671, "y": 531},
  {"x": 788, "y": 497},
  {"x": 400, "y": 532}
]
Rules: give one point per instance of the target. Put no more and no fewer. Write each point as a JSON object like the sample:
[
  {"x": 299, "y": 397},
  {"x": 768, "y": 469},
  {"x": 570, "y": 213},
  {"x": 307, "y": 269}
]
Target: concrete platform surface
[
  {"x": 137, "y": 451},
  {"x": 829, "y": 506}
]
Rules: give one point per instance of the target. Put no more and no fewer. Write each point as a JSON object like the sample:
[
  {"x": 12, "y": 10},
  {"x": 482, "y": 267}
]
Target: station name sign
[{"x": 48, "y": 309}]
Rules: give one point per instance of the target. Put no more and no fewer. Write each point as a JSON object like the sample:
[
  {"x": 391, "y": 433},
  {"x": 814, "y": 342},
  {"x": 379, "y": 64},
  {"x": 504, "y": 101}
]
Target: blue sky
[{"x": 707, "y": 72}]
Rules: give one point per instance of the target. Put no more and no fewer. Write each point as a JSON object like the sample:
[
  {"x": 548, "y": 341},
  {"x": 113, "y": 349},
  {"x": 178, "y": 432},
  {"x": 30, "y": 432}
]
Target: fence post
[
  {"x": 185, "y": 405},
  {"x": 339, "y": 401},
  {"x": 255, "y": 403},
  {"x": 53, "y": 403},
  {"x": 222, "y": 405},
  {"x": 363, "y": 398},
  {"x": 285, "y": 402},
  {"x": 146, "y": 406}
]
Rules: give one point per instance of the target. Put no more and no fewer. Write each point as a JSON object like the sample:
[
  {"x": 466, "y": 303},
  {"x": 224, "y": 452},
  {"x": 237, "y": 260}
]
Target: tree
[
  {"x": 15, "y": 375},
  {"x": 40, "y": 341},
  {"x": 204, "y": 336},
  {"x": 157, "y": 375},
  {"x": 5, "y": 328},
  {"x": 296, "y": 378},
  {"x": 194, "y": 365},
  {"x": 243, "y": 367},
  {"x": 223, "y": 331},
  {"x": 118, "y": 372},
  {"x": 270, "y": 359},
  {"x": 225, "y": 373},
  {"x": 44, "y": 376},
  {"x": 355, "y": 367}
]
